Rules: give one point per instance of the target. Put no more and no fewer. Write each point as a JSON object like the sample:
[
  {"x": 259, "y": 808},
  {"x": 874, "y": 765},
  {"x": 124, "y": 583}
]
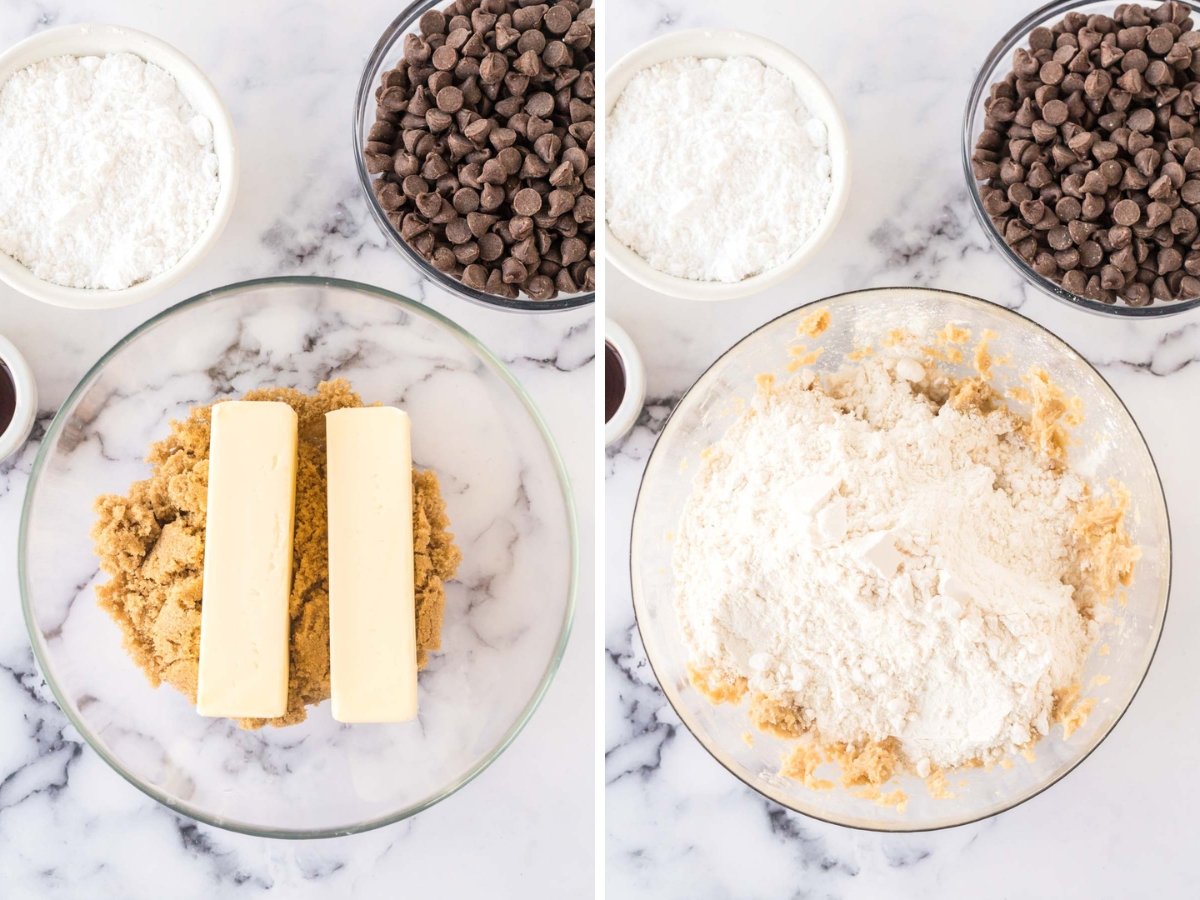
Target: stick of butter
[
  {"x": 372, "y": 612},
  {"x": 248, "y": 561}
]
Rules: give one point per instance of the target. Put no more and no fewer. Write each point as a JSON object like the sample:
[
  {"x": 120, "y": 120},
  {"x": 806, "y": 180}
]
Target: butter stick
[
  {"x": 247, "y": 561},
  {"x": 372, "y": 613}
]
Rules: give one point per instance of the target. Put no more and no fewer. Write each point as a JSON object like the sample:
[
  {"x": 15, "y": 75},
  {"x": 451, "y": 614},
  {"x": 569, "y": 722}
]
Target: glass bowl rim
[
  {"x": 362, "y": 100},
  {"x": 975, "y": 98},
  {"x": 710, "y": 745},
  {"x": 497, "y": 365}
]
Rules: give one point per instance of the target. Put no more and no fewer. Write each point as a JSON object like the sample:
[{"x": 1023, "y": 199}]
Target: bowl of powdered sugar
[
  {"x": 121, "y": 166},
  {"x": 900, "y": 559},
  {"x": 727, "y": 164}
]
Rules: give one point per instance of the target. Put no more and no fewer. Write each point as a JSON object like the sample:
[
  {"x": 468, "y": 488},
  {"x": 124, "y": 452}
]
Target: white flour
[
  {"x": 109, "y": 175},
  {"x": 890, "y": 568},
  {"x": 716, "y": 171}
]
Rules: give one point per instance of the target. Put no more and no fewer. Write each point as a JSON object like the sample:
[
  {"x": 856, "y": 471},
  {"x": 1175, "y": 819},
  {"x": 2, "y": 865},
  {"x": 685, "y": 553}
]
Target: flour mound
[
  {"x": 109, "y": 175},
  {"x": 716, "y": 169},
  {"x": 886, "y": 566}
]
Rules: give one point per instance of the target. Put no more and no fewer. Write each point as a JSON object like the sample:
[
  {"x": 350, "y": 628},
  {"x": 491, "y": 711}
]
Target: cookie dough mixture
[
  {"x": 152, "y": 544},
  {"x": 897, "y": 567}
]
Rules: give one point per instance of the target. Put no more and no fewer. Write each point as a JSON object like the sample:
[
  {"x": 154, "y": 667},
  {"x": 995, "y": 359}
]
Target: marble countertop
[
  {"x": 677, "y": 824},
  {"x": 71, "y": 827}
]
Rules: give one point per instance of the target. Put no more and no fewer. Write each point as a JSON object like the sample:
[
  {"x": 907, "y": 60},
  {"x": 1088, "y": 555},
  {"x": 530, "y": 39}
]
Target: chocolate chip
[
  {"x": 493, "y": 172},
  {"x": 1074, "y": 281},
  {"x": 1044, "y": 264},
  {"x": 443, "y": 259},
  {"x": 1183, "y": 221},
  {"x": 497, "y": 285},
  {"x": 475, "y": 276},
  {"x": 1189, "y": 287},
  {"x": 493, "y": 68},
  {"x": 1157, "y": 213},
  {"x": 558, "y": 19},
  {"x": 1126, "y": 212},
  {"x": 533, "y": 41},
  {"x": 542, "y": 287},
  {"x": 527, "y": 17},
  {"x": 445, "y": 58},
  {"x": 490, "y": 247},
  {"x": 1059, "y": 238},
  {"x": 1169, "y": 259},
  {"x": 1055, "y": 112},
  {"x": 527, "y": 202},
  {"x": 491, "y": 197},
  {"x": 450, "y": 99},
  {"x": 1137, "y": 294},
  {"x": 466, "y": 200}
]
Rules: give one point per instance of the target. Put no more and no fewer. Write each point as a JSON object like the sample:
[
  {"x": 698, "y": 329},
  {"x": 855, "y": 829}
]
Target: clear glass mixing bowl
[
  {"x": 997, "y": 65},
  {"x": 508, "y": 614},
  {"x": 1110, "y": 446}
]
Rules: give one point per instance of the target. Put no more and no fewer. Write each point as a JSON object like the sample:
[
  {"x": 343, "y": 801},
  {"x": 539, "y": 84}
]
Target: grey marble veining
[
  {"x": 69, "y": 825},
  {"x": 677, "y": 824}
]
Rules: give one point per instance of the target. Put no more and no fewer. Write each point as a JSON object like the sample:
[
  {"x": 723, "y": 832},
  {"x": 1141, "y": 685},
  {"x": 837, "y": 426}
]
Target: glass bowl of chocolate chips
[
  {"x": 1081, "y": 144},
  {"x": 474, "y": 137}
]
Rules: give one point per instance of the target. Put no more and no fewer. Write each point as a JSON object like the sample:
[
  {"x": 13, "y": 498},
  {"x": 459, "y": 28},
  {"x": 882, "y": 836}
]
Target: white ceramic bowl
[
  {"x": 627, "y": 413},
  {"x": 13, "y": 437},
  {"x": 716, "y": 43},
  {"x": 100, "y": 40}
]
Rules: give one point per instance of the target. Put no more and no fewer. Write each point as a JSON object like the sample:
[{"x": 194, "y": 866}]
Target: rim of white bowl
[
  {"x": 92, "y": 39},
  {"x": 25, "y": 414},
  {"x": 627, "y": 413},
  {"x": 721, "y": 43}
]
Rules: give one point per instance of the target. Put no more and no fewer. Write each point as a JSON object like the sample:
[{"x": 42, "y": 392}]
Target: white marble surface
[
  {"x": 677, "y": 825},
  {"x": 70, "y": 826}
]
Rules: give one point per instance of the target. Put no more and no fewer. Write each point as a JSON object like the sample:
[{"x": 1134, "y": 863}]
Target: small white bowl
[
  {"x": 627, "y": 413},
  {"x": 100, "y": 40},
  {"x": 25, "y": 414},
  {"x": 715, "y": 43}
]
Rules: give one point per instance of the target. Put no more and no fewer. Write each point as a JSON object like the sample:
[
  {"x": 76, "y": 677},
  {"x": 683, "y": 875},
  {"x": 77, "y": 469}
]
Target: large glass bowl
[
  {"x": 508, "y": 613},
  {"x": 388, "y": 51},
  {"x": 1110, "y": 446},
  {"x": 997, "y": 65}
]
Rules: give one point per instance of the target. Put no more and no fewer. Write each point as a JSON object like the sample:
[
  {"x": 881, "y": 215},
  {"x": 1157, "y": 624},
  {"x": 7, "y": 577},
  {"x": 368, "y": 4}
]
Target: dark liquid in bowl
[
  {"x": 614, "y": 381},
  {"x": 8, "y": 397}
]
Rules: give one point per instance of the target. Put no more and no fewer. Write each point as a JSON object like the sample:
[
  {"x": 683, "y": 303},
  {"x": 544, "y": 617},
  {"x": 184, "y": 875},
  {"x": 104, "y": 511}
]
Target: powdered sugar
[
  {"x": 886, "y": 566},
  {"x": 715, "y": 169},
  {"x": 110, "y": 176}
]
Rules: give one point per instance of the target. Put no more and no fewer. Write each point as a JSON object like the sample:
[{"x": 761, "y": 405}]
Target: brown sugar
[
  {"x": 1108, "y": 553},
  {"x": 716, "y": 688},
  {"x": 814, "y": 324},
  {"x": 151, "y": 543},
  {"x": 802, "y": 763},
  {"x": 872, "y": 764},
  {"x": 773, "y": 718}
]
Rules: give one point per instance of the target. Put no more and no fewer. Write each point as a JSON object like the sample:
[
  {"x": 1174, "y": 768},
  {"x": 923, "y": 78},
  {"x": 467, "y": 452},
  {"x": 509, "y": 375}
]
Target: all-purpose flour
[
  {"x": 715, "y": 169},
  {"x": 109, "y": 175},
  {"x": 885, "y": 566}
]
